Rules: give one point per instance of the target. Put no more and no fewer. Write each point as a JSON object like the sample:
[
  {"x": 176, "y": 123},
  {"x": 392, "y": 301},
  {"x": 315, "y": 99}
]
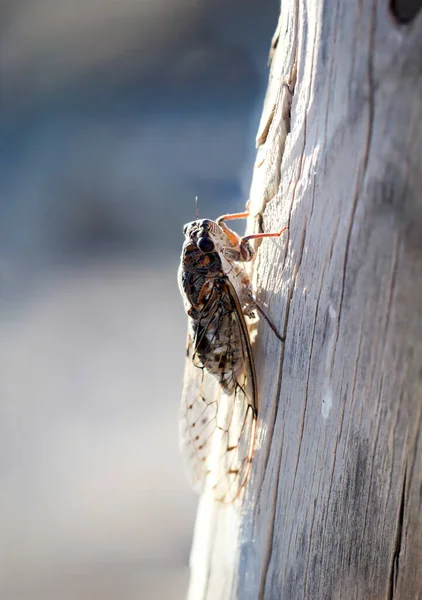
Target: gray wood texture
[{"x": 333, "y": 507}]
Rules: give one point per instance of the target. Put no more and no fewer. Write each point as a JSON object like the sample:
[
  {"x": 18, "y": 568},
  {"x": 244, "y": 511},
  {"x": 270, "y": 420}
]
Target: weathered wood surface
[{"x": 333, "y": 508}]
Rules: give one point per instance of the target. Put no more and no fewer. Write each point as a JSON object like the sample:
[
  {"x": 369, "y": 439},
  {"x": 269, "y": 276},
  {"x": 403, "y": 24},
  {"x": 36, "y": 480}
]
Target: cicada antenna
[{"x": 196, "y": 208}]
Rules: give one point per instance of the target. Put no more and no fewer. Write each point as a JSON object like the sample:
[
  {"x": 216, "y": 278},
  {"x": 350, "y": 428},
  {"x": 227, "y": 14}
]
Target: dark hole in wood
[{"x": 405, "y": 10}]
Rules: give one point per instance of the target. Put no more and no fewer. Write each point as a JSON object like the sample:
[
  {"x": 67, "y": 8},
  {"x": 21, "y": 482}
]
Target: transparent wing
[{"x": 218, "y": 411}]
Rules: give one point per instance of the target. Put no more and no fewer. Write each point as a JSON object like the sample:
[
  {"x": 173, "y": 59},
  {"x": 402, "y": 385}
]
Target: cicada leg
[
  {"x": 233, "y": 237},
  {"x": 257, "y": 236},
  {"x": 254, "y": 304},
  {"x": 246, "y": 252},
  {"x": 231, "y": 217}
]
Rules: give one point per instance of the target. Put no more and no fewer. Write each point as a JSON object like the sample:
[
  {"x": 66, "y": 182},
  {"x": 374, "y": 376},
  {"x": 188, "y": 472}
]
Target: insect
[{"x": 219, "y": 398}]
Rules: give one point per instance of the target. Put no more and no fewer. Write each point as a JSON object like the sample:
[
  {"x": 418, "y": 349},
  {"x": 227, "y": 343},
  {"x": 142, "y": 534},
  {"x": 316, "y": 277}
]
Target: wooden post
[{"x": 333, "y": 507}]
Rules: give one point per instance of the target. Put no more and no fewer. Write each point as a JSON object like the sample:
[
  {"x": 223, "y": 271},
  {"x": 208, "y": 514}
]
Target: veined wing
[{"x": 218, "y": 411}]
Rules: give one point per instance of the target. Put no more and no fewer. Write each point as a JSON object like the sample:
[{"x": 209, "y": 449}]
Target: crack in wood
[
  {"x": 270, "y": 530},
  {"x": 395, "y": 559},
  {"x": 359, "y": 186}
]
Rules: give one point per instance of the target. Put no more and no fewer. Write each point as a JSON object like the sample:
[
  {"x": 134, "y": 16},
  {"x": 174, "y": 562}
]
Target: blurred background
[{"x": 114, "y": 115}]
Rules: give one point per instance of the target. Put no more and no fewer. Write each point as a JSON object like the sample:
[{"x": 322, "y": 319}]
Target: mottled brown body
[
  {"x": 212, "y": 309},
  {"x": 219, "y": 404}
]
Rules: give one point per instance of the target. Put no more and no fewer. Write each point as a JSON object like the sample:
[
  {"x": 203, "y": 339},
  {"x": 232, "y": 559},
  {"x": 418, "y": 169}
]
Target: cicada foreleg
[
  {"x": 246, "y": 250},
  {"x": 234, "y": 252},
  {"x": 231, "y": 217},
  {"x": 241, "y": 248}
]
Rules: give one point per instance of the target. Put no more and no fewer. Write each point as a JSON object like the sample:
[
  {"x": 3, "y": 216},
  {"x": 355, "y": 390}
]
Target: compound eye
[{"x": 206, "y": 245}]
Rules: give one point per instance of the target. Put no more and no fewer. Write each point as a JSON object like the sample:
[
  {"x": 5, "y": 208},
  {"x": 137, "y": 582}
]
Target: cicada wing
[
  {"x": 198, "y": 412},
  {"x": 218, "y": 412},
  {"x": 231, "y": 461}
]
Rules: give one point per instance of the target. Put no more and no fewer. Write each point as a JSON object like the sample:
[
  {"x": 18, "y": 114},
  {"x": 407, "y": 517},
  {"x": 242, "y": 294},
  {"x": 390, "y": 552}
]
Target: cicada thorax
[{"x": 197, "y": 275}]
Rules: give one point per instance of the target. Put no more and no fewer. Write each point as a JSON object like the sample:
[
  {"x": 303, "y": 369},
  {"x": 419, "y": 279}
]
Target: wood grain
[{"x": 333, "y": 508}]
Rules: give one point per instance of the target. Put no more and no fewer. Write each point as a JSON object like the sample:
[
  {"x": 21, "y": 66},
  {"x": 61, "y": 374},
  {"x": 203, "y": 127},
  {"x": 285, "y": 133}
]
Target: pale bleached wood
[{"x": 333, "y": 508}]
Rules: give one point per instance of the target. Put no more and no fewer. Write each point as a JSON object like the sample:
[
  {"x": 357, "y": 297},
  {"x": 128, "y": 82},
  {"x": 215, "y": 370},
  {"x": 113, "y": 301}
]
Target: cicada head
[{"x": 200, "y": 263}]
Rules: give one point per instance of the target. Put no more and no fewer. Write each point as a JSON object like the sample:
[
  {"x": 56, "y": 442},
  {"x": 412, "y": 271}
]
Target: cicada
[{"x": 219, "y": 400}]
